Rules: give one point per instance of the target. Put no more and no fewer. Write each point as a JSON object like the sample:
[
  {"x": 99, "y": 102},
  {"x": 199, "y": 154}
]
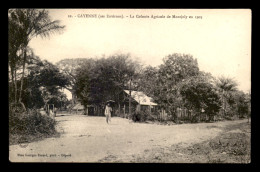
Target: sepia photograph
[{"x": 129, "y": 85}]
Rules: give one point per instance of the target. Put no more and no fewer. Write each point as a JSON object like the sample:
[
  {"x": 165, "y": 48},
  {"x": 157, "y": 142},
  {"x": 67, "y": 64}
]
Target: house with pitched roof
[{"x": 139, "y": 101}]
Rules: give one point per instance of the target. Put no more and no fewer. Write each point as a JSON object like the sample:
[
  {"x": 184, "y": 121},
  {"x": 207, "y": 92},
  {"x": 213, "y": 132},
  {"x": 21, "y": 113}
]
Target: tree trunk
[
  {"x": 119, "y": 111},
  {"x": 189, "y": 115},
  {"x": 73, "y": 98},
  {"x": 223, "y": 104},
  {"x": 21, "y": 88},
  {"x": 15, "y": 86},
  {"x": 48, "y": 110},
  {"x": 176, "y": 116}
]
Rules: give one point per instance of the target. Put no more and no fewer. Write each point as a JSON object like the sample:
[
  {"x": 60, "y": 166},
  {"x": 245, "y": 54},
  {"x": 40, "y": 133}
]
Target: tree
[
  {"x": 16, "y": 74},
  {"x": 42, "y": 84},
  {"x": 225, "y": 87},
  {"x": 147, "y": 81},
  {"x": 27, "y": 24},
  {"x": 59, "y": 100},
  {"x": 69, "y": 67},
  {"x": 200, "y": 94},
  {"x": 241, "y": 103},
  {"x": 100, "y": 80},
  {"x": 124, "y": 72},
  {"x": 83, "y": 84},
  {"x": 14, "y": 44},
  {"x": 175, "y": 69}
]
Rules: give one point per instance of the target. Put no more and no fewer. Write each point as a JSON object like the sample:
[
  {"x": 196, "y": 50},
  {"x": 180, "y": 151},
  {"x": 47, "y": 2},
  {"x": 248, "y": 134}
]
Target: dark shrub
[
  {"x": 153, "y": 116},
  {"x": 140, "y": 116},
  {"x": 31, "y": 123}
]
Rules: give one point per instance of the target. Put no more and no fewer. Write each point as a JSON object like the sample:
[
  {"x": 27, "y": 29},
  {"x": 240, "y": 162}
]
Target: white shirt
[{"x": 108, "y": 110}]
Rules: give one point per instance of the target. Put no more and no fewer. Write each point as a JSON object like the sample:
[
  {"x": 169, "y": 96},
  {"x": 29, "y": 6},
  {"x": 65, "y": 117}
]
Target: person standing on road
[
  {"x": 55, "y": 111},
  {"x": 108, "y": 111}
]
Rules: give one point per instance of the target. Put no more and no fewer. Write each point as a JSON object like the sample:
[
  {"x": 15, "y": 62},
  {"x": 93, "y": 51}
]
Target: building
[
  {"x": 78, "y": 108},
  {"x": 90, "y": 110},
  {"x": 139, "y": 101}
]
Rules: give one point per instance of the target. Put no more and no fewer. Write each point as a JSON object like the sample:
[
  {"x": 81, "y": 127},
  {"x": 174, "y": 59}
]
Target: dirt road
[{"x": 91, "y": 139}]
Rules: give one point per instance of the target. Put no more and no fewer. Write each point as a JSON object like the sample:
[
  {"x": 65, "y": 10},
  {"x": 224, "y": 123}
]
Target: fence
[{"x": 183, "y": 115}]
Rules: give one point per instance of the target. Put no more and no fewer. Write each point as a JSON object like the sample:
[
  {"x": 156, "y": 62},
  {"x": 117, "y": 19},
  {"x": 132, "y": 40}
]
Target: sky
[{"x": 220, "y": 39}]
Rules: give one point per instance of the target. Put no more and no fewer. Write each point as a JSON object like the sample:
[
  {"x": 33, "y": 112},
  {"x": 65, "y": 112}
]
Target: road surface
[{"x": 91, "y": 139}]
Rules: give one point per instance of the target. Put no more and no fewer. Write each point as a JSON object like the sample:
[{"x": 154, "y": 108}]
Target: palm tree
[
  {"x": 27, "y": 24},
  {"x": 226, "y": 86}
]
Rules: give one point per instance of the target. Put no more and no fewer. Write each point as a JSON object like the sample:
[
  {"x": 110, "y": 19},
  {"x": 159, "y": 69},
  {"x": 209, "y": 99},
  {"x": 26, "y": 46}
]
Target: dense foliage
[
  {"x": 26, "y": 127},
  {"x": 23, "y": 25},
  {"x": 177, "y": 85},
  {"x": 28, "y": 75},
  {"x": 199, "y": 94},
  {"x": 100, "y": 80}
]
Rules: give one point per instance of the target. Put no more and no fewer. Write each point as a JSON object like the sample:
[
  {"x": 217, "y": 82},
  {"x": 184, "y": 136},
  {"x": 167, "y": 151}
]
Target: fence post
[
  {"x": 124, "y": 111},
  {"x": 48, "y": 110}
]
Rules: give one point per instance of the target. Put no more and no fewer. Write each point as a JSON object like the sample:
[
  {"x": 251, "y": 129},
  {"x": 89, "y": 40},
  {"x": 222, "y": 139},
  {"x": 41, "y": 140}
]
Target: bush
[
  {"x": 31, "y": 123},
  {"x": 153, "y": 116},
  {"x": 140, "y": 116}
]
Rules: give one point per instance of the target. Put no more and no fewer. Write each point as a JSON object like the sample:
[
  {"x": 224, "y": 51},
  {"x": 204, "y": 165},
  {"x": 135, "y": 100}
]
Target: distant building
[
  {"x": 78, "y": 108},
  {"x": 89, "y": 110},
  {"x": 139, "y": 101}
]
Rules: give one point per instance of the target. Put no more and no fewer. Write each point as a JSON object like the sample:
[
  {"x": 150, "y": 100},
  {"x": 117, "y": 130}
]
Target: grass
[{"x": 233, "y": 145}]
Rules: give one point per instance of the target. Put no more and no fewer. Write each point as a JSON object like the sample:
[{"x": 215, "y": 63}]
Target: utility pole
[{"x": 130, "y": 97}]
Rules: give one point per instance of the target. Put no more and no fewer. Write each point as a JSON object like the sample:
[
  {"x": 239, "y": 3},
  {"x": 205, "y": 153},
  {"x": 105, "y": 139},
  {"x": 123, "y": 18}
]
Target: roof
[
  {"x": 141, "y": 98},
  {"x": 78, "y": 106}
]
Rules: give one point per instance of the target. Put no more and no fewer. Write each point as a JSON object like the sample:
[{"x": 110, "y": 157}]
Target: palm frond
[{"x": 226, "y": 84}]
